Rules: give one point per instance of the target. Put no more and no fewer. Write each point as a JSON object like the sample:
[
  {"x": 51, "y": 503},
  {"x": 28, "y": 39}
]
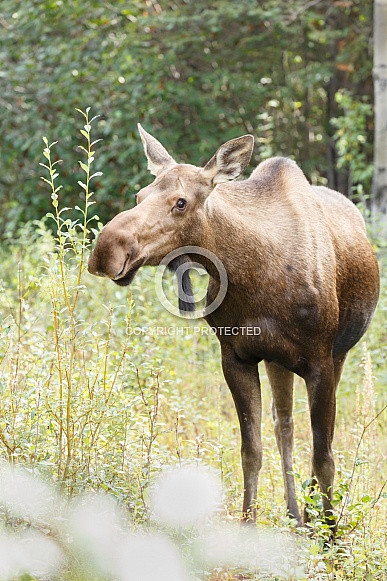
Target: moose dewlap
[{"x": 299, "y": 268}]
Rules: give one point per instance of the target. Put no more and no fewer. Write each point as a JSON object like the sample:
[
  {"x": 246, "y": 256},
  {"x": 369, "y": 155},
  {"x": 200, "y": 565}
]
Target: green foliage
[
  {"x": 195, "y": 73},
  {"x": 353, "y": 149}
]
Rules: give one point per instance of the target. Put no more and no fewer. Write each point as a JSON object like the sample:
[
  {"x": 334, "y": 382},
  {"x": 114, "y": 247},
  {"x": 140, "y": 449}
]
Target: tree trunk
[{"x": 379, "y": 185}]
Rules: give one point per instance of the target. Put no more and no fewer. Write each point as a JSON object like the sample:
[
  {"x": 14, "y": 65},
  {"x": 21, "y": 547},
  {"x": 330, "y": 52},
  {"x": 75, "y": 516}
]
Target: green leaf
[
  {"x": 80, "y": 111},
  {"x": 314, "y": 549}
]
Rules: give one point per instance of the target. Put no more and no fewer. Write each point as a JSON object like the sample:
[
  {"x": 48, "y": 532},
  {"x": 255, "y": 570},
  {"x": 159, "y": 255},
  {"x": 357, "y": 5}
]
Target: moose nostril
[{"x": 123, "y": 267}]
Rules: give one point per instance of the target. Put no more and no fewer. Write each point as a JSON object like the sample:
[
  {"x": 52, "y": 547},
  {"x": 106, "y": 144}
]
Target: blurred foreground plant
[{"x": 91, "y": 538}]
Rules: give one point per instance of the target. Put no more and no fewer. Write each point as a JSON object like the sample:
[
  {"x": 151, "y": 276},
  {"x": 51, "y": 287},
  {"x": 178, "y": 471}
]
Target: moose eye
[{"x": 181, "y": 204}]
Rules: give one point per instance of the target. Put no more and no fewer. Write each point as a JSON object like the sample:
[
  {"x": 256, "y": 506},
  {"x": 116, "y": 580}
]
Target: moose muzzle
[{"x": 115, "y": 255}]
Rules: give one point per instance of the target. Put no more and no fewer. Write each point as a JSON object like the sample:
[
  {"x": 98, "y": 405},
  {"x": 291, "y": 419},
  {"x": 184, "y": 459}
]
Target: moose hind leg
[
  {"x": 281, "y": 383},
  {"x": 243, "y": 381},
  {"x": 338, "y": 365},
  {"x": 321, "y": 388}
]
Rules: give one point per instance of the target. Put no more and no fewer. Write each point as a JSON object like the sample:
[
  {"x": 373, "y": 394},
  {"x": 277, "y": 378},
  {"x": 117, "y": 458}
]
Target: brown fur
[{"x": 299, "y": 267}]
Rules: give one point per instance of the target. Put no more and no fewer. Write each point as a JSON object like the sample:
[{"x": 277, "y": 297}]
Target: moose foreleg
[
  {"x": 281, "y": 383},
  {"x": 321, "y": 387},
  {"x": 243, "y": 381}
]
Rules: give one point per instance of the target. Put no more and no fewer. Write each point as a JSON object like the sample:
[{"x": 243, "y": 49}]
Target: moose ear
[
  {"x": 158, "y": 157},
  {"x": 230, "y": 160}
]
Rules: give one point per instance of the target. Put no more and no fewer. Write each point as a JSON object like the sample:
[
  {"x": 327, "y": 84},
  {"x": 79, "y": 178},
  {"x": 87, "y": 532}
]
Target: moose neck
[{"x": 235, "y": 238}]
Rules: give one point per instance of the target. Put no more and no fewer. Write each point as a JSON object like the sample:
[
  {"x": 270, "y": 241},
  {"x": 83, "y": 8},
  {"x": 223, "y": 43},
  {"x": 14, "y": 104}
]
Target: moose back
[{"x": 299, "y": 267}]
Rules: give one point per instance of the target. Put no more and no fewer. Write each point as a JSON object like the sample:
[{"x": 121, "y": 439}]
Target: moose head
[{"x": 170, "y": 213}]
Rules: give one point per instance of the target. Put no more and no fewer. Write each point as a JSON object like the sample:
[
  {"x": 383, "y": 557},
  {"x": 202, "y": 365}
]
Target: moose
[{"x": 299, "y": 267}]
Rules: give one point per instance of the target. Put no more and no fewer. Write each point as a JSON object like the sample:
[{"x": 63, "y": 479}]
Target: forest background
[{"x": 298, "y": 76}]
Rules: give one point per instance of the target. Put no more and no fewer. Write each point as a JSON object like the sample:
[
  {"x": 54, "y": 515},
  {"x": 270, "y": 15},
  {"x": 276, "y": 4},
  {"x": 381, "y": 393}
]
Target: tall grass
[{"x": 90, "y": 404}]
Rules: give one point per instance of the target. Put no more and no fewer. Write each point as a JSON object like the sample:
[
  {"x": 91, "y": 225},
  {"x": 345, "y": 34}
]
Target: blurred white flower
[
  {"x": 150, "y": 557},
  {"x": 24, "y": 495},
  {"x": 270, "y": 552},
  {"x": 185, "y": 496},
  {"x": 96, "y": 532},
  {"x": 31, "y": 553},
  {"x": 95, "y": 525}
]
